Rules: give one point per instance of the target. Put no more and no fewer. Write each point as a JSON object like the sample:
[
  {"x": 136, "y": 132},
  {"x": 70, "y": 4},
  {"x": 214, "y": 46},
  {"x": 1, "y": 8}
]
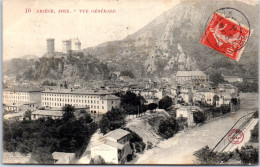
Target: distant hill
[{"x": 16, "y": 66}]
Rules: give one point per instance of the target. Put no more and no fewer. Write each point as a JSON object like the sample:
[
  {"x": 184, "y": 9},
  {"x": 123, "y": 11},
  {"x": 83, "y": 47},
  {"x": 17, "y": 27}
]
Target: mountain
[{"x": 171, "y": 42}]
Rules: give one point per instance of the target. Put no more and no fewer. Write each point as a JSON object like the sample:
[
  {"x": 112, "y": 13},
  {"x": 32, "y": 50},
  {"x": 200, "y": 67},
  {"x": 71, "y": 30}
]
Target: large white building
[
  {"x": 198, "y": 76},
  {"x": 18, "y": 95},
  {"x": 98, "y": 102}
]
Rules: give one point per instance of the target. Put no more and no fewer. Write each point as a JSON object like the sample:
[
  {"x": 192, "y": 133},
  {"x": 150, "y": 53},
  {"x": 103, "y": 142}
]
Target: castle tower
[
  {"x": 66, "y": 46},
  {"x": 50, "y": 45},
  {"x": 77, "y": 44}
]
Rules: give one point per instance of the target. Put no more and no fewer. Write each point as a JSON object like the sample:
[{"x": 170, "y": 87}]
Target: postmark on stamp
[
  {"x": 227, "y": 32},
  {"x": 235, "y": 136}
]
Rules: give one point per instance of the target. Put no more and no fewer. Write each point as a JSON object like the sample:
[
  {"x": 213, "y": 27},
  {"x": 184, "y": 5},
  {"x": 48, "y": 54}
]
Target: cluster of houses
[{"x": 187, "y": 88}]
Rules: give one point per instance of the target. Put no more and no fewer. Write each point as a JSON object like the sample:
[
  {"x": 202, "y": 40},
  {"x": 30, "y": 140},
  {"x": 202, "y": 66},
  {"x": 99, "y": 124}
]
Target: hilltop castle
[{"x": 71, "y": 45}]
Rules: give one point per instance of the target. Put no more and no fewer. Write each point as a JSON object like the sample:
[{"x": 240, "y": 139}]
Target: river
[{"x": 180, "y": 148}]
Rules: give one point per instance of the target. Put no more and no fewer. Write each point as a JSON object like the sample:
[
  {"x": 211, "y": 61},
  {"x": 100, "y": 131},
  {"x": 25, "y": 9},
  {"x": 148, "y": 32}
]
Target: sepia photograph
[{"x": 130, "y": 82}]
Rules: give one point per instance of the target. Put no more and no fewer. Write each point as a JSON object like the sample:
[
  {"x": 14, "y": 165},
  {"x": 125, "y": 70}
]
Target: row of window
[
  {"x": 67, "y": 95},
  {"x": 73, "y": 100},
  {"x": 61, "y": 105},
  {"x": 16, "y": 97},
  {"x": 16, "y": 93}
]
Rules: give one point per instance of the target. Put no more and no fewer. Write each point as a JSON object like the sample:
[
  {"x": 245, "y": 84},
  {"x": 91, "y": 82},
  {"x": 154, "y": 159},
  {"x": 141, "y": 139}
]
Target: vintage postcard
[{"x": 139, "y": 82}]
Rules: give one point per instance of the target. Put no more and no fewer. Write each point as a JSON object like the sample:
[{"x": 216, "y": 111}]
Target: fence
[{"x": 240, "y": 124}]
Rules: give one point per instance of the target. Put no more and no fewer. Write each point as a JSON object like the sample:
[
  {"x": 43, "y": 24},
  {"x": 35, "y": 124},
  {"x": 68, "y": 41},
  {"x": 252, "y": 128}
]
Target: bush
[
  {"x": 225, "y": 109},
  {"x": 254, "y": 134},
  {"x": 165, "y": 102},
  {"x": 97, "y": 160},
  {"x": 112, "y": 120},
  {"x": 168, "y": 127},
  {"x": 248, "y": 155},
  {"x": 152, "y": 106},
  {"x": 206, "y": 156},
  {"x": 136, "y": 142},
  {"x": 199, "y": 117}
]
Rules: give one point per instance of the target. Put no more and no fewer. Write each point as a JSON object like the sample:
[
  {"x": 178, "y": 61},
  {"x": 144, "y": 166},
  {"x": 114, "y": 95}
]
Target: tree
[
  {"x": 130, "y": 102},
  {"x": 248, "y": 155},
  {"x": 234, "y": 101},
  {"x": 112, "y": 120},
  {"x": 168, "y": 127},
  {"x": 165, "y": 102},
  {"x": 216, "y": 78},
  {"x": 42, "y": 137},
  {"x": 68, "y": 113},
  {"x": 254, "y": 134},
  {"x": 97, "y": 160},
  {"x": 88, "y": 118},
  {"x": 199, "y": 117},
  {"x": 28, "y": 115},
  {"x": 152, "y": 106}
]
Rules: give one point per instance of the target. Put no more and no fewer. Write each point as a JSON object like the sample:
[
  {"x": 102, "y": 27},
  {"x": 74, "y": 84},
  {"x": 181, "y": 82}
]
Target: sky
[{"x": 26, "y": 33}]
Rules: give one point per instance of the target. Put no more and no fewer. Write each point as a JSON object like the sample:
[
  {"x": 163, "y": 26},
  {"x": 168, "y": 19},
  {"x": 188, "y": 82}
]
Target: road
[
  {"x": 180, "y": 148},
  {"x": 247, "y": 134}
]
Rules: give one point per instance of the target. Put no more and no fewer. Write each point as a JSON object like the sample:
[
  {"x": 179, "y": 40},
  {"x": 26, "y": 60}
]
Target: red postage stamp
[
  {"x": 226, "y": 35},
  {"x": 235, "y": 136}
]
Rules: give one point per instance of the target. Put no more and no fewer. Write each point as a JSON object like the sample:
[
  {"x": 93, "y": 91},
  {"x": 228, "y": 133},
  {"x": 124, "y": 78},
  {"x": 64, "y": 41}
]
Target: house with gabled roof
[{"x": 114, "y": 148}]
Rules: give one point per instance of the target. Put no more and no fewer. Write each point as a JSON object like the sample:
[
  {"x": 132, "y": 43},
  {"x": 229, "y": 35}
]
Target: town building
[
  {"x": 115, "y": 147},
  {"x": 64, "y": 158},
  {"x": 99, "y": 102},
  {"x": 45, "y": 114},
  {"x": 221, "y": 99},
  {"x": 228, "y": 88},
  {"x": 194, "y": 76},
  {"x": 208, "y": 95},
  {"x": 184, "y": 93},
  {"x": 232, "y": 78},
  {"x": 187, "y": 112},
  {"x": 24, "y": 106},
  {"x": 18, "y": 95}
]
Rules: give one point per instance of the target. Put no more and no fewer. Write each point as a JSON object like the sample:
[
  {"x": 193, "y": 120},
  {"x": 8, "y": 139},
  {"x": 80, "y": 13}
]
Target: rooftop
[
  {"x": 226, "y": 86},
  {"x": 230, "y": 76},
  {"x": 191, "y": 108},
  {"x": 78, "y": 91},
  {"x": 24, "y": 89},
  {"x": 117, "y": 134},
  {"x": 190, "y": 73},
  {"x": 48, "y": 113},
  {"x": 204, "y": 90},
  {"x": 110, "y": 97},
  {"x": 114, "y": 144}
]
